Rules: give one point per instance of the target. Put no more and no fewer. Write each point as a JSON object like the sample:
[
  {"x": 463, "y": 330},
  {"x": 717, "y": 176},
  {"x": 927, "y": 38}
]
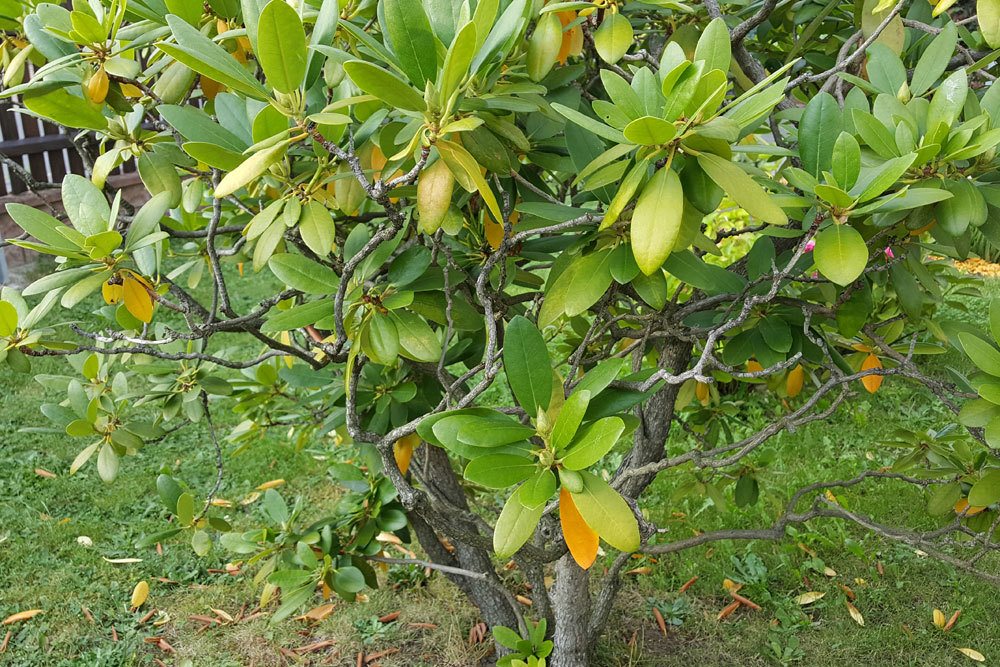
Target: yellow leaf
[
  {"x": 972, "y": 654},
  {"x": 701, "y": 392},
  {"x": 403, "y": 451},
  {"x": 22, "y": 616},
  {"x": 137, "y": 298},
  {"x": 581, "y": 539},
  {"x": 795, "y": 381},
  {"x": 829, "y": 571},
  {"x": 129, "y": 90},
  {"x": 274, "y": 483},
  {"x": 139, "y": 595},
  {"x": 122, "y": 561},
  {"x": 855, "y": 614},
  {"x": 809, "y": 598},
  {"x": 939, "y": 619},
  {"x": 754, "y": 366},
  {"x": 871, "y": 382},
  {"x": 97, "y": 86},
  {"x": 112, "y": 293},
  {"x": 731, "y": 586}
]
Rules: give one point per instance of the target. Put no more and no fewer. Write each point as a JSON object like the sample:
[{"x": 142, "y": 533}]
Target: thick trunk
[
  {"x": 656, "y": 416},
  {"x": 571, "y": 604},
  {"x": 486, "y": 595}
]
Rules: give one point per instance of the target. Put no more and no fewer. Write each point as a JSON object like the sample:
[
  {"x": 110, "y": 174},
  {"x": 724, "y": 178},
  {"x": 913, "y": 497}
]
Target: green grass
[{"x": 42, "y": 564}]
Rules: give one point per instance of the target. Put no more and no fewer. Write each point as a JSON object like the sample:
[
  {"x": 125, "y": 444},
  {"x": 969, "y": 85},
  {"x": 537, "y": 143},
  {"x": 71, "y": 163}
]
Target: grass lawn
[{"x": 45, "y": 565}]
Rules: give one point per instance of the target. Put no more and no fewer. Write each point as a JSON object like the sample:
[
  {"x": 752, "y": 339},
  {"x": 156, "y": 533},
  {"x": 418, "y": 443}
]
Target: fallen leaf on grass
[
  {"x": 139, "y": 595},
  {"x": 422, "y": 626},
  {"x": 951, "y": 621},
  {"x": 809, "y": 598},
  {"x": 728, "y": 610},
  {"x": 42, "y": 472},
  {"x": 389, "y": 618},
  {"x": 659, "y": 621},
  {"x": 855, "y": 614},
  {"x": 22, "y": 616},
  {"x": 122, "y": 561},
  {"x": 687, "y": 585},
  {"x": 274, "y": 483},
  {"x": 972, "y": 654},
  {"x": 316, "y": 613},
  {"x": 939, "y": 620},
  {"x": 640, "y": 570}
]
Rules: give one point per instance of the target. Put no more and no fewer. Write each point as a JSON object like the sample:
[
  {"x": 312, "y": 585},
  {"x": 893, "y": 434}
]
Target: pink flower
[
  {"x": 888, "y": 253},
  {"x": 809, "y": 246}
]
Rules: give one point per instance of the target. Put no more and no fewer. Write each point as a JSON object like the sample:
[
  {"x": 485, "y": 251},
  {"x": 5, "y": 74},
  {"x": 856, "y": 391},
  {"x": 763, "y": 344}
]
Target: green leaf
[
  {"x": 607, "y": 513},
  {"x": 744, "y": 191},
  {"x": 650, "y": 131},
  {"x": 411, "y": 38},
  {"x": 840, "y": 254},
  {"x": 499, "y": 471},
  {"x": 85, "y": 205},
  {"x": 846, "y": 160},
  {"x": 528, "y": 366},
  {"x": 8, "y": 318},
  {"x": 983, "y": 355},
  {"x": 303, "y": 274},
  {"x": 107, "y": 463},
  {"x": 656, "y": 221},
  {"x": 569, "y": 419},
  {"x": 297, "y": 317},
  {"x": 208, "y": 58},
  {"x": 577, "y": 288},
  {"x": 281, "y": 46},
  {"x": 67, "y": 109},
  {"x": 588, "y": 123},
  {"x": 537, "y": 489},
  {"x": 495, "y": 430},
  {"x": 593, "y": 442},
  {"x": 943, "y": 499},
  {"x": 986, "y": 491},
  {"x": 948, "y": 100},
  {"x": 821, "y": 125},
  {"x": 251, "y": 168},
  {"x": 515, "y": 526},
  {"x": 934, "y": 60},
  {"x": 274, "y": 507},
  {"x": 613, "y": 38},
  {"x": 714, "y": 46},
  {"x": 316, "y": 227},
  {"x": 883, "y": 177},
  {"x": 417, "y": 341},
  {"x": 384, "y": 85},
  {"x": 45, "y": 228}
]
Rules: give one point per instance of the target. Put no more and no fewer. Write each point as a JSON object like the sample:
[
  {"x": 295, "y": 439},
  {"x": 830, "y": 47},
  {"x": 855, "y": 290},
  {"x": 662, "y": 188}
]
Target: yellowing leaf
[
  {"x": 871, "y": 382},
  {"x": 274, "y": 483},
  {"x": 122, "y": 561},
  {"x": 137, "y": 299},
  {"x": 855, "y": 614},
  {"x": 22, "y": 616},
  {"x": 972, "y": 654},
  {"x": 795, "y": 381},
  {"x": 112, "y": 293},
  {"x": 581, "y": 539},
  {"x": 403, "y": 451},
  {"x": 809, "y": 598},
  {"x": 939, "y": 619},
  {"x": 139, "y": 595}
]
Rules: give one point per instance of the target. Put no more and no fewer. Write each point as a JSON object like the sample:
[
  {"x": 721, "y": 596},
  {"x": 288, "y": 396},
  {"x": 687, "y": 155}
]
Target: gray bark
[{"x": 571, "y": 603}]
